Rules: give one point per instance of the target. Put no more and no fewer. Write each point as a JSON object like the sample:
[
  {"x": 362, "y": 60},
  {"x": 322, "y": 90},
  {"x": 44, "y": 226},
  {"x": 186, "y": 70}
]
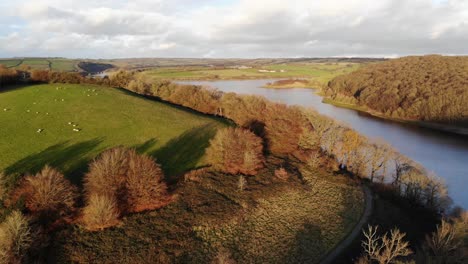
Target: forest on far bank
[{"x": 430, "y": 88}]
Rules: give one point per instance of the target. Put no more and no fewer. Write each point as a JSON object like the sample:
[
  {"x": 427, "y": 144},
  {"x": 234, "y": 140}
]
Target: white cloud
[{"x": 243, "y": 28}]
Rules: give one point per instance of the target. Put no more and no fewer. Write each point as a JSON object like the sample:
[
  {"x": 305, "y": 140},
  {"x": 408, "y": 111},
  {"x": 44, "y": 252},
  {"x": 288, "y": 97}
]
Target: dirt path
[{"x": 345, "y": 243}]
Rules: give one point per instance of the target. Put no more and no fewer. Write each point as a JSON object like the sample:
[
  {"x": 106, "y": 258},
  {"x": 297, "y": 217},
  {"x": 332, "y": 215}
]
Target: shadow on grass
[
  {"x": 145, "y": 146},
  {"x": 184, "y": 152},
  {"x": 309, "y": 244},
  {"x": 71, "y": 159}
]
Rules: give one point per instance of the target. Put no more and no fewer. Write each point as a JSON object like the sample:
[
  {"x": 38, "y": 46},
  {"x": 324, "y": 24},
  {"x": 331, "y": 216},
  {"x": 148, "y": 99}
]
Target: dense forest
[{"x": 428, "y": 88}]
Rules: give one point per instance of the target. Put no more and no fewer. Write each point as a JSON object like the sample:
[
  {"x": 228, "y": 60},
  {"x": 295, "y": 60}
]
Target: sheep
[
  {"x": 76, "y": 129},
  {"x": 40, "y": 130},
  {"x": 5, "y": 109},
  {"x": 28, "y": 110},
  {"x": 70, "y": 123}
]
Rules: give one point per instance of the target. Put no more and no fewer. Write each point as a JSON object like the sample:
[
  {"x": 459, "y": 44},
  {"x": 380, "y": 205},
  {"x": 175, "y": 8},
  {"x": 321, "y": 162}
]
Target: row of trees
[
  {"x": 8, "y": 76},
  {"x": 431, "y": 88}
]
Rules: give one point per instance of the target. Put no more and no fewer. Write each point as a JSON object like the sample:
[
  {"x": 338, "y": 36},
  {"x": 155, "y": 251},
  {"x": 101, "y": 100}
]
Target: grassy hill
[
  {"x": 270, "y": 221},
  {"x": 105, "y": 117}
]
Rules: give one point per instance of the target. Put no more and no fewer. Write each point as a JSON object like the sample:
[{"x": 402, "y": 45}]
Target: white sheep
[
  {"x": 76, "y": 129},
  {"x": 5, "y": 109},
  {"x": 40, "y": 130}
]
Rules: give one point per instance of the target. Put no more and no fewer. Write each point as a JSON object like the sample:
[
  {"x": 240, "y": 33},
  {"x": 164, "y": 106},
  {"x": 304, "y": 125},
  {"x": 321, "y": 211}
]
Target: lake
[{"x": 444, "y": 154}]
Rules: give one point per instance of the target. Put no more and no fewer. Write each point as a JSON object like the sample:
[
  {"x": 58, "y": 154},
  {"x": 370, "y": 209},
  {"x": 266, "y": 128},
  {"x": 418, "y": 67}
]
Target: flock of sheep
[{"x": 74, "y": 125}]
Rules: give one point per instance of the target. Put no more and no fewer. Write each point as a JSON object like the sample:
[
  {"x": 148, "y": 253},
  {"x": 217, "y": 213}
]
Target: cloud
[{"x": 227, "y": 28}]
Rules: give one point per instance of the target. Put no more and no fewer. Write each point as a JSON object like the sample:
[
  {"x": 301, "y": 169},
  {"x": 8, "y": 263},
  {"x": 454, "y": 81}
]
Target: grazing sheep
[
  {"x": 5, "y": 109},
  {"x": 28, "y": 110},
  {"x": 40, "y": 130},
  {"x": 76, "y": 129},
  {"x": 70, "y": 123},
  {"x": 63, "y": 100},
  {"x": 74, "y": 125},
  {"x": 37, "y": 112}
]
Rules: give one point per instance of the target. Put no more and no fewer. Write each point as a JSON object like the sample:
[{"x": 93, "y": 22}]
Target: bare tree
[
  {"x": 378, "y": 158},
  {"x": 387, "y": 248},
  {"x": 15, "y": 237},
  {"x": 443, "y": 241}
]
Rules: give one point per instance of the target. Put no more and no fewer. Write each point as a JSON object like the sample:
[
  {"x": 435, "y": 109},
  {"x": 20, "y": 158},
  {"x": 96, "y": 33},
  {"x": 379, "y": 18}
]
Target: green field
[
  {"x": 39, "y": 63},
  {"x": 10, "y": 63},
  {"x": 321, "y": 72},
  {"x": 106, "y": 117}
]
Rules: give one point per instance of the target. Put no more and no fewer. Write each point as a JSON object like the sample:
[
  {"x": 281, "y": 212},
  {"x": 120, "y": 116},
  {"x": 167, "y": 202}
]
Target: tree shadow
[
  {"x": 184, "y": 152},
  {"x": 71, "y": 159},
  {"x": 309, "y": 245},
  {"x": 145, "y": 146}
]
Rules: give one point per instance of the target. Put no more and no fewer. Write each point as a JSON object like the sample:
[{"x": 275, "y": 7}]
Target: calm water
[{"x": 442, "y": 153}]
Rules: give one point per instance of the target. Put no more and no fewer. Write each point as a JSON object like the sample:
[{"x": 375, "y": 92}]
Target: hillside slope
[{"x": 424, "y": 88}]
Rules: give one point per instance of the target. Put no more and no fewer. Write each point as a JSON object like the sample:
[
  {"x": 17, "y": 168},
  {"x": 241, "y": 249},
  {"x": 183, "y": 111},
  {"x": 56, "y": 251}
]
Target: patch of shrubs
[{"x": 121, "y": 181}]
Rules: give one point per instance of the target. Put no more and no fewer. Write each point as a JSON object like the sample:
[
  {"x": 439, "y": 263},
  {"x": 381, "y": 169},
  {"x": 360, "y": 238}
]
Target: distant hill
[{"x": 425, "y": 88}]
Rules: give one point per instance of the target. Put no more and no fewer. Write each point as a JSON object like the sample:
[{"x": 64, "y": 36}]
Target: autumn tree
[
  {"x": 236, "y": 150},
  {"x": 47, "y": 194},
  {"x": 134, "y": 181}
]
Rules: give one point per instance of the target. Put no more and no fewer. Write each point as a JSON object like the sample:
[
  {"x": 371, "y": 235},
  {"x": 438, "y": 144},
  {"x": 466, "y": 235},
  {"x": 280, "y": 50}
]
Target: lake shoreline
[{"x": 430, "y": 125}]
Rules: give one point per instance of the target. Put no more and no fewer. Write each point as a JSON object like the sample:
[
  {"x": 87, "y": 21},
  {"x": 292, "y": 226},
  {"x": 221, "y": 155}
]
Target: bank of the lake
[
  {"x": 430, "y": 125},
  {"x": 445, "y": 154}
]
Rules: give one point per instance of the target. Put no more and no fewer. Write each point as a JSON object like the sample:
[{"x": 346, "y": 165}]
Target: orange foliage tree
[{"x": 236, "y": 150}]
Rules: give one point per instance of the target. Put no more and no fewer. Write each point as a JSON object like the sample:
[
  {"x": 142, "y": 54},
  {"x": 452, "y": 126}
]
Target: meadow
[
  {"x": 270, "y": 221},
  {"x": 65, "y": 126},
  {"x": 41, "y": 63},
  {"x": 318, "y": 72}
]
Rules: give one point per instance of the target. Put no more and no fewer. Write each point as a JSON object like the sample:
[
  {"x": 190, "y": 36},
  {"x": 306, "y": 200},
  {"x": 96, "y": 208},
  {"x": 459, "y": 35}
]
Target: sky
[{"x": 232, "y": 28}]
